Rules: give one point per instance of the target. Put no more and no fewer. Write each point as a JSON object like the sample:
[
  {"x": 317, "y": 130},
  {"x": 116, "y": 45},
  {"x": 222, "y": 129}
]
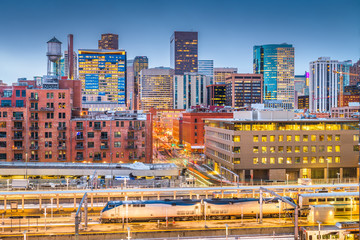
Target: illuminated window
[
  {"x": 236, "y": 138},
  {"x": 256, "y": 138},
  {"x": 281, "y": 138},
  {"x": 264, "y": 149},
  {"x": 321, "y": 138},
  {"x": 337, "y": 138},
  {"x": 297, "y": 138},
  {"x": 356, "y": 137},
  {"x": 288, "y": 160},
  {"x": 329, "y": 138},
  {"x": 288, "y": 138},
  {"x": 255, "y": 160},
  {"x": 321, "y": 159},
  {"x": 337, "y": 159},
  {"x": 288, "y": 149},
  {"x": 313, "y": 159},
  {"x": 264, "y": 138},
  {"x": 236, "y": 160},
  {"x": 280, "y": 160},
  {"x": 255, "y": 149},
  {"x": 313, "y": 149},
  {"x": 305, "y": 159},
  {"x": 297, "y": 149},
  {"x": 322, "y": 148},
  {"x": 313, "y": 138},
  {"x": 337, "y": 148},
  {"x": 329, "y": 159},
  {"x": 305, "y": 173},
  {"x": 280, "y": 149},
  {"x": 305, "y": 149},
  {"x": 329, "y": 148},
  {"x": 272, "y": 149},
  {"x": 272, "y": 138},
  {"x": 263, "y": 160},
  {"x": 297, "y": 159},
  {"x": 305, "y": 138},
  {"x": 272, "y": 160}
]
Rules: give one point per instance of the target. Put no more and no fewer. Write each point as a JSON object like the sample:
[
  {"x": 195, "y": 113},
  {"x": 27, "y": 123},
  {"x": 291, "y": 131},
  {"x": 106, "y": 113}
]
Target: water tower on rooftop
[{"x": 54, "y": 56}]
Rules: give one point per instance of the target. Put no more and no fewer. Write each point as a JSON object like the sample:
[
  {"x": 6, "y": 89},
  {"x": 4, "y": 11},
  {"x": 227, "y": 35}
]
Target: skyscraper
[
  {"x": 220, "y": 74},
  {"x": 276, "y": 63},
  {"x": 109, "y": 41},
  {"x": 301, "y": 84},
  {"x": 140, "y": 63},
  {"x": 103, "y": 77},
  {"x": 355, "y": 69},
  {"x": 206, "y": 67},
  {"x": 156, "y": 88},
  {"x": 324, "y": 84},
  {"x": 184, "y": 52}
]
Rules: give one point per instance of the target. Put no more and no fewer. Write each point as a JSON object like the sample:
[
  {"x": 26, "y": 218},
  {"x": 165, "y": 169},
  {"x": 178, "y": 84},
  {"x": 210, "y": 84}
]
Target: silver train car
[
  {"x": 186, "y": 209},
  {"x": 344, "y": 202}
]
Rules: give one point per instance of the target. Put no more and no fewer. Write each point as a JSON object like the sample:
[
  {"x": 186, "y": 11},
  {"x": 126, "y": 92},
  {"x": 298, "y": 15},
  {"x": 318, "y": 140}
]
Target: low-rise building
[{"x": 352, "y": 111}]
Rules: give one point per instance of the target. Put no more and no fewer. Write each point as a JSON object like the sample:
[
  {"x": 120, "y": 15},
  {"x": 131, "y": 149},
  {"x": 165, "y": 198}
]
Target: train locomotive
[{"x": 187, "y": 209}]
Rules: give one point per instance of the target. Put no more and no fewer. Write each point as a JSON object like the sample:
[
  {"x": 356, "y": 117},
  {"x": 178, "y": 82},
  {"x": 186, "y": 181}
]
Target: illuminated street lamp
[
  {"x": 287, "y": 179},
  {"x": 319, "y": 229}
]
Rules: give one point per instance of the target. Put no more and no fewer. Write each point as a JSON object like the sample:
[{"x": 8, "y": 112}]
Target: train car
[
  {"x": 345, "y": 203},
  {"x": 118, "y": 211},
  {"x": 234, "y": 208}
]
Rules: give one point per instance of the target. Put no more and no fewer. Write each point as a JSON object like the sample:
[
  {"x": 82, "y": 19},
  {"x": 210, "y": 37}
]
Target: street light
[
  {"x": 319, "y": 229},
  {"x": 338, "y": 175},
  {"x": 227, "y": 231},
  {"x": 287, "y": 179}
]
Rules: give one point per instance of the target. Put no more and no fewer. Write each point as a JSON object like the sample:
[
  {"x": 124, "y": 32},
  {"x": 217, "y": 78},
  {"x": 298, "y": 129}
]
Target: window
[
  {"x": 23, "y": 93},
  {"x": 236, "y": 160},
  {"x": 264, "y": 138},
  {"x": 313, "y": 138},
  {"x": 6, "y": 103},
  {"x": 91, "y": 144},
  {"x": 117, "y": 123},
  {"x": 19, "y": 103},
  {"x": 288, "y": 149},
  {"x": 236, "y": 138},
  {"x": 321, "y": 159},
  {"x": 272, "y": 149},
  {"x": 255, "y": 149},
  {"x": 264, "y": 149},
  {"x": 288, "y": 138},
  {"x": 272, "y": 138},
  {"x": 313, "y": 149},
  {"x": 263, "y": 160},
  {"x": 280, "y": 160},
  {"x": 313, "y": 159},
  {"x": 337, "y": 159},
  {"x": 329, "y": 159},
  {"x": 356, "y": 137},
  {"x": 305, "y": 138},
  {"x": 288, "y": 160},
  {"x": 122, "y": 124},
  {"x": 2, "y": 134},
  {"x": 356, "y": 148},
  {"x": 280, "y": 149},
  {"x": 329, "y": 149},
  {"x": 321, "y": 138},
  {"x": 337, "y": 138},
  {"x": 236, "y": 149},
  {"x": 297, "y": 149},
  {"x": 305, "y": 160},
  {"x": 256, "y": 138},
  {"x": 297, "y": 138},
  {"x": 91, "y": 135},
  {"x": 117, "y": 134},
  {"x": 255, "y": 160},
  {"x": 48, "y": 134},
  {"x": 305, "y": 149},
  {"x": 2, "y": 144},
  {"x": 117, "y": 144},
  {"x": 337, "y": 148},
  {"x": 272, "y": 160},
  {"x": 281, "y": 138},
  {"x": 117, "y": 155},
  {"x": 297, "y": 159},
  {"x": 329, "y": 138}
]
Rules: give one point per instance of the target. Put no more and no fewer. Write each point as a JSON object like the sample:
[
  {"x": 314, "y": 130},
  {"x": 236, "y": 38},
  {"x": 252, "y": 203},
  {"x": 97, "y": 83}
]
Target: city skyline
[{"x": 228, "y": 38}]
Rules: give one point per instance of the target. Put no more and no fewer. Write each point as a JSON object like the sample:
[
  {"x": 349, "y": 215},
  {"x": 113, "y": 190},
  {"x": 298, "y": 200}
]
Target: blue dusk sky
[{"x": 228, "y": 29}]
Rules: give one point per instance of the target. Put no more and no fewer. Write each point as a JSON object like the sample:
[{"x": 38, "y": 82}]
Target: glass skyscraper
[
  {"x": 276, "y": 63},
  {"x": 206, "y": 67}
]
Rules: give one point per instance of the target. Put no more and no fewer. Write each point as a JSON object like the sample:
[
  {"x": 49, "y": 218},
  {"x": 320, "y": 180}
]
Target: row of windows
[
  {"x": 117, "y": 124},
  {"x": 297, "y": 138},
  {"x": 219, "y": 135},
  {"x": 8, "y": 103},
  {"x": 297, "y": 149},
  {"x": 289, "y": 160}
]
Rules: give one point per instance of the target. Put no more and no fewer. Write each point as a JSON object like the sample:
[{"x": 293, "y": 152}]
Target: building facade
[
  {"x": 140, "y": 63},
  {"x": 220, "y": 74},
  {"x": 184, "y": 52},
  {"x": 276, "y": 63},
  {"x": 303, "y": 102},
  {"x": 190, "y": 90},
  {"x": 274, "y": 146},
  {"x": 216, "y": 95},
  {"x": 156, "y": 88},
  {"x": 103, "y": 77},
  {"x": 346, "y": 112},
  {"x": 243, "y": 89},
  {"x": 355, "y": 69},
  {"x": 324, "y": 84},
  {"x": 206, "y": 67},
  {"x": 301, "y": 84},
  {"x": 109, "y": 41}
]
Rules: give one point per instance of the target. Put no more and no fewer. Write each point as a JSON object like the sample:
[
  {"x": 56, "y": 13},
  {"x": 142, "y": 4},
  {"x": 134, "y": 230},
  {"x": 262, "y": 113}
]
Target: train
[
  {"x": 188, "y": 209},
  {"x": 344, "y": 203}
]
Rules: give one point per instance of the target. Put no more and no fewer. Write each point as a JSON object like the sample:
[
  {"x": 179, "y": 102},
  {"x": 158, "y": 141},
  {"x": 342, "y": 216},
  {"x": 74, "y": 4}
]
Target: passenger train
[{"x": 187, "y": 209}]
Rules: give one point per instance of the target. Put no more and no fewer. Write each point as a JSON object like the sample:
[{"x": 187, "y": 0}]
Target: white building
[
  {"x": 324, "y": 84},
  {"x": 190, "y": 90}
]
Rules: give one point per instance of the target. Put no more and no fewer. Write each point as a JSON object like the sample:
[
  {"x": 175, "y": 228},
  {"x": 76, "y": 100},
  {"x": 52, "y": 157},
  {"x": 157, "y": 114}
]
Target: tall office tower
[
  {"x": 206, "y": 67},
  {"x": 184, "y": 52},
  {"x": 66, "y": 70},
  {"x": 276, "y": 63},
  {"x": 190, "y": 90},
  {"x": 109, "y": 41},
  {"x": 355, "y": 69},
  {"x": 243, "y": 89},
  {"x": 156, "y": 88},
  {"x": 130, "y": 85},
  {"x": 103, "y": 77},
  {"x": 216, "y": 94},
  {"x": 140, "y": 63},
  {"x": 301, "y": 84},
  {"x": 324, "y": 84},
  {"x": 220, "y": 74}
]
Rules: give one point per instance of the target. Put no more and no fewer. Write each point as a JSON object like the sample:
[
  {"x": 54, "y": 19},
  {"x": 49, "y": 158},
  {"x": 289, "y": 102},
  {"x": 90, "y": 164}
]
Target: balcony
[
  {"x": 98, "y": 128},
  {"x": 34, "y": 128},
  {"x": 17, "y": 128},
  {"x": 18, "y": 118},
  {"x": 131, "y": 138},
  {"x": 104, "y": 147},
  {"x": 79, "y": 147},
  {"x": 33, "y": 109},
  {"x": 18, "y": 148},
  {"x": 34, "y": 138},
  {"x": 77, "y": 128},
  {"x": 46, "y": 109},
  {"x": 131, "y": 147},
  {"x": 61, "y": 128},
  {"x": 131, "y": 128},
  {"x": 34, "y": 147},
  {"x": 34, "y": 159},
  {"x": 61, "y": 138},
  {"x": 61, "y": 158},
  {"x": 78, "y": 138},
  {"x": 79, "y": 158},
  {"x": 104, "y": 138},
  {"x": 61, "y": 147},
  {"x": 34, "y": 98},
  {"x": 34, "y": 118},
  {"x": 18, "y": 138}
]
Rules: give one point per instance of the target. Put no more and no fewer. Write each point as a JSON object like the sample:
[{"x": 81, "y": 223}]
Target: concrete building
[
  {"x": 109, "y": 41},
  {"x": 103, "y": 77},
  {"x": 156, "y": 88},
  {"x": 216, "y": 95},
  {"x": 190, "y": 90},
  {"x": 184, "y": 52},
  {"x": 352, "y": 111},
  {"x": 324, "y": 84},
  {"x": 220, "y": 74},
  {"x": 276, "y": 63},
  {"x": 243, "y": 89},
  {"x": 272, "y": 145}
]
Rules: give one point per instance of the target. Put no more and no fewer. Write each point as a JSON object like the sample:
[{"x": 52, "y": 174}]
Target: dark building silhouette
[{"x": 109, "y": 41}]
